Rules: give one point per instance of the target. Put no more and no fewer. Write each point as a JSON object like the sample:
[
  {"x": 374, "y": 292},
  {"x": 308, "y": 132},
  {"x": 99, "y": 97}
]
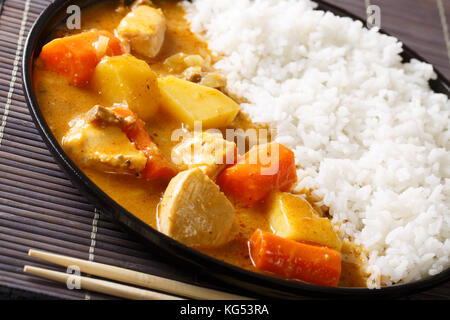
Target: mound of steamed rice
[{"x": 370, "y": 137}]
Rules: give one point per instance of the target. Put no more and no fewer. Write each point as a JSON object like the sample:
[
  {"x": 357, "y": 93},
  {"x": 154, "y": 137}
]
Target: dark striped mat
[{"x": 39, "y": 207}]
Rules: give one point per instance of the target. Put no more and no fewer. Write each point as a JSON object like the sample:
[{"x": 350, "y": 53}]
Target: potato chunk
[
  {"x": 103, "y": 148},
  {"x": 195, "y": 212},
  {"x": 143, "y": 29},
  {"x": 292, "y": 217},
  {"x": 207, "y": 151},
  {"x": 191, "y": 102},
  {"x": 127, "y": 79}
]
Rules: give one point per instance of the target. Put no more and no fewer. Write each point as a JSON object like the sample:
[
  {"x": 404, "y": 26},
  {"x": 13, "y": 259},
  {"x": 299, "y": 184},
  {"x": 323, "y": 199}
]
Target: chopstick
[
  {"x": 102, "y": 286},
  {"x": 136, "y": 278}
]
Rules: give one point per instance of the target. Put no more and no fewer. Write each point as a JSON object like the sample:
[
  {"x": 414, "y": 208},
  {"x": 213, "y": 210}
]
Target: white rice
[{"x": 369, "y": 135}]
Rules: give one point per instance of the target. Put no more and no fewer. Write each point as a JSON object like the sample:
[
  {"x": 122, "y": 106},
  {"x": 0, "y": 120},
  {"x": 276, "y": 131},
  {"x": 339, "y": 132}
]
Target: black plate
[{"x": 259, "y": 284}]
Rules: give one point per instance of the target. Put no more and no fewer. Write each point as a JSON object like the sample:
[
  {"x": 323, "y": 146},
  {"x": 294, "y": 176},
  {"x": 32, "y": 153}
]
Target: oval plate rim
[{"x": 254, "y": 283}]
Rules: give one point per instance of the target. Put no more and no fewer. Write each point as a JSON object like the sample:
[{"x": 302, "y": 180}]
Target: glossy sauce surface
[{"x": 61, "y": 102}]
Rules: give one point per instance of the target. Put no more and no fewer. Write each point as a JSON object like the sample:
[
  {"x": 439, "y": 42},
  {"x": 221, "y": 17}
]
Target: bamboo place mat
[{"x": 39, "y": 207}]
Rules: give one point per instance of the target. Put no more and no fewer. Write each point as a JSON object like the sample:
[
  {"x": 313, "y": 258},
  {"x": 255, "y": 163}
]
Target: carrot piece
[
  {"x": 158, "y": 167},
  {"x": 263, "y": 169},
  {"x": 295, "y": 260},
  {"x": 76, "y": 56}
]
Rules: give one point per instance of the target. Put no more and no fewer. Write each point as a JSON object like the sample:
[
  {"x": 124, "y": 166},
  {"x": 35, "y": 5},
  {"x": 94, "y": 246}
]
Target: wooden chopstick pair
[{"x": 171, "y": 287}]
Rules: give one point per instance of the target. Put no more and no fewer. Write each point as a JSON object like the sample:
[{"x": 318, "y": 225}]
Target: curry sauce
[{"x": 61, "y": 102}]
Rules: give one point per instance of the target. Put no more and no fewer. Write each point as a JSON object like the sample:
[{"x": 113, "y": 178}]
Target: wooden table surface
[{"x": 40, "y": 208}]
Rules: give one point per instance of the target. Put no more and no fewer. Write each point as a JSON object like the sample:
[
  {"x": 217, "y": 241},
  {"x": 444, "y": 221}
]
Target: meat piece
[
  {"x": 103, "y": 117},
  {"x": 195, "y": 212},
  {"x": 206, "y": 151},
  {"x": 104, "y": 148},
  {"x": 193, "y": 74},
  {"x": 143, "y": 29}
]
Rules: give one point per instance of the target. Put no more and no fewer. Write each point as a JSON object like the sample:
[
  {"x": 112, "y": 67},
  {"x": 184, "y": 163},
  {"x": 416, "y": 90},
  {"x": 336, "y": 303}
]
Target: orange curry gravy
[{"x": 60, "y": 102}]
